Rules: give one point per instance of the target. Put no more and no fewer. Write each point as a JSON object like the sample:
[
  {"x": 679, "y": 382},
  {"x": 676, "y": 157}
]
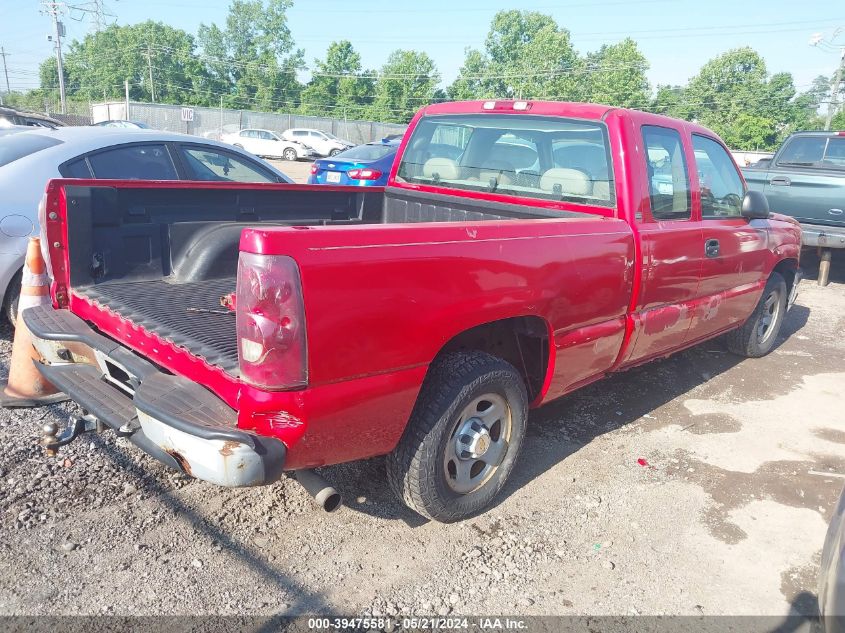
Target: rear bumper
[
  {"x": 169, "y": 417},
  {"x": 824, "y": 236}
]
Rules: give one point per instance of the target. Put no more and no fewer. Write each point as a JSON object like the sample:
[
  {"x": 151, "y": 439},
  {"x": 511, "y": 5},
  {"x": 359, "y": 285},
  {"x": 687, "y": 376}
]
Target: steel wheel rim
[
  {"x": 289, "y": 155},
  {"x": 768, "y": 317},
  {"x": 478, "y": 443}
]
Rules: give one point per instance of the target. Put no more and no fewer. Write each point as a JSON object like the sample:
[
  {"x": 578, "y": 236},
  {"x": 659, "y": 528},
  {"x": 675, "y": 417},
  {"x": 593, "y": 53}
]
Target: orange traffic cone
[{"x": 26, "y": 386}]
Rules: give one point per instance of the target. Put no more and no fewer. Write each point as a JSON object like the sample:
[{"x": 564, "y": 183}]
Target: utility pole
[
  {"x": 834, "y": 92},
  {"x": 149, "y": 56},
  {"x": 3, "y": 54},
  {"x": 53, "y": 9}
]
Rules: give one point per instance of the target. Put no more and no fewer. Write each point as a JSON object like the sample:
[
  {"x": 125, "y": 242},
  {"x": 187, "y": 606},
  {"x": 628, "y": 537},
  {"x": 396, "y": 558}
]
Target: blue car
[{"x": 366, "y": 165}]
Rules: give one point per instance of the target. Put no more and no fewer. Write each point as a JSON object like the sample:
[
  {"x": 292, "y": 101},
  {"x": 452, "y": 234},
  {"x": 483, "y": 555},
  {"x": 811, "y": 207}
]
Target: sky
[{"x": 676, "y": 36}]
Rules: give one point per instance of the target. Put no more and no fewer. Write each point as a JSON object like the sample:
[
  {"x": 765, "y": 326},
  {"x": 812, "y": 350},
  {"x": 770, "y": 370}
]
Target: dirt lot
[
  {"x": 298, "y": 170},
  {"x": 743, "y": 462}
]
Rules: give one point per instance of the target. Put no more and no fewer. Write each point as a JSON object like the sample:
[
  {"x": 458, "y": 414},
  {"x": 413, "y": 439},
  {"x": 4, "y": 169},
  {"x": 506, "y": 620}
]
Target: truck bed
[
  {"x": 161, "y": 256},
  {"x": 186, "y": 314}
]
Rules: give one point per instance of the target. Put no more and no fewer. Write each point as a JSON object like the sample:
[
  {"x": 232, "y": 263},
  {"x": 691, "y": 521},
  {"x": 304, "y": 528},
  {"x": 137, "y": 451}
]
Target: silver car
[
  {"x": 832, "y": 572},
  {"x": 29, "y": 159}
]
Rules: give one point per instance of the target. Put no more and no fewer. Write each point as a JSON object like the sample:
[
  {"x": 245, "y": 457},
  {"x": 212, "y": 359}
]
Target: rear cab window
[
  {"x": 16, "y": 146},
  {"x": 370, "y": 151},
  {"x": 546, "y": 158}
]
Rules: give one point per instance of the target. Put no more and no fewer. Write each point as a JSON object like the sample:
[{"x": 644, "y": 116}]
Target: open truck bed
[{"x": 161, "y": 259}]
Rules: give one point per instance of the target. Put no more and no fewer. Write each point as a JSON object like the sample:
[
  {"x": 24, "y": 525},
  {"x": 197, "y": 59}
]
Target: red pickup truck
[{"x": 520, "y": 251}]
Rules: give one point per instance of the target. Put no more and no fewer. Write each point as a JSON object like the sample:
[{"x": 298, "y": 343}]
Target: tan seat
[
  {"x": 441, "y": 169},
  {"x": 570, "y": 181}
]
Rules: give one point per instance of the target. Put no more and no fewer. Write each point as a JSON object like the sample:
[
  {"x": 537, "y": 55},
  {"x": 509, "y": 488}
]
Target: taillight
[
  {"x": 314, "y": 168},
  {"x": 364, "y": 174},
  {"x": 271, "y": 322}
]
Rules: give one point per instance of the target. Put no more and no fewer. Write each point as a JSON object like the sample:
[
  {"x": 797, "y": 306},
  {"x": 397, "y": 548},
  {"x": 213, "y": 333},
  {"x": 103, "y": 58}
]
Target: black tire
[
  {"x": 418, "y": 470},
  {"x": 289, "y": 154},
  {"x": 758, "y": 334},
  {"x": 13, "y": 295},
  {"x": 334, "y": 152},
  {"x": 239, "y": 146}
]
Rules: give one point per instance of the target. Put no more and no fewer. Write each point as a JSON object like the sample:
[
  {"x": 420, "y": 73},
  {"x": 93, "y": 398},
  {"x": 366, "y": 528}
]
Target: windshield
[
  {"x": 371, "y": 151},
  {"x": 17, "y": 146},
  {"x": 527, "y": 156}
]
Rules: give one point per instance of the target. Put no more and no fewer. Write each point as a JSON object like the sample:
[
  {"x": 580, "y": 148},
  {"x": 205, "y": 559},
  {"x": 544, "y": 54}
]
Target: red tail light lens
[
  {"x": 270, "y": 319},
  {"x": 314, "y": 168},
  {"x": 364, "y": 174}
]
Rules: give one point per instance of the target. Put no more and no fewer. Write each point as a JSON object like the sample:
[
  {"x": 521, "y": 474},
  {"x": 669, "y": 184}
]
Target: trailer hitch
[{"x": 51, "y": 440}]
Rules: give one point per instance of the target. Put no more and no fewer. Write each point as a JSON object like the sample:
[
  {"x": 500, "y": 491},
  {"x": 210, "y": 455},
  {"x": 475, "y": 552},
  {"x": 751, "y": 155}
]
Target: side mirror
[{"x": 755, "y": 206}]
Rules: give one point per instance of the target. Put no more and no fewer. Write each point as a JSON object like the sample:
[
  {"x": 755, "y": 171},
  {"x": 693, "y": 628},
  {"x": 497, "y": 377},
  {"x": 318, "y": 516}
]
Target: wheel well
[
  {"x": 787, "y": 268},
  {"x": 521, "y": 341}
]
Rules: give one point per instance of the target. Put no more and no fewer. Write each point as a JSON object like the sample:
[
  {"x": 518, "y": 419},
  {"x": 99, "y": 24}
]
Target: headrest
[
  {"x": 572, "y": 182},
  {"x": 442, "y": 168}
]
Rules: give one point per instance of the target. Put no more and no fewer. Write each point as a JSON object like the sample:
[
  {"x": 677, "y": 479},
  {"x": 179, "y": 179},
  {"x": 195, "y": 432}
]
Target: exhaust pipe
[{"x": 322, "y": 492}]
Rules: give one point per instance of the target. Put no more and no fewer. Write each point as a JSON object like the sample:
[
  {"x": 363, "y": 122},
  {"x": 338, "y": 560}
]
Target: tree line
[{"x": 252, "y": 62}]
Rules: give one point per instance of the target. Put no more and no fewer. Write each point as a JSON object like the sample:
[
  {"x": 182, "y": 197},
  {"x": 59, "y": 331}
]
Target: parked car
[
  {"x": 324, "y": 143},
  {"x": 268, "y": 144},
  {"x": 13, "y": 116},
  {"x": 420, "y": 320},
  {"x": 138, "y": 125},
  {"x": 366, "y": 165},
  {"x": 832, "y": 573},
  {"x": 29, "y": 159},
  {"x": 806, "y": 180}
]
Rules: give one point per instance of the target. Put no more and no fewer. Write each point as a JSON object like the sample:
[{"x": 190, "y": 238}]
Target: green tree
[
  {"x": 616, "y": 75},
  {"x": 97, "y": 66},
  {"x": 339, "y": 87},
  {"x": 734, "y": 95},
  {"x": 670, "y": 101},
  {"x": 406, "y": 82},
  {"x": 526, "y": 55},
  {"x": 253, "y": 60}
]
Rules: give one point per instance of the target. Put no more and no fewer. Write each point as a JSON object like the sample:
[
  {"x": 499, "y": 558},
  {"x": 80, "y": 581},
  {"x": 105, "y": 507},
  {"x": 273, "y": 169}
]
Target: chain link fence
[{"x": 211, "y": 122}]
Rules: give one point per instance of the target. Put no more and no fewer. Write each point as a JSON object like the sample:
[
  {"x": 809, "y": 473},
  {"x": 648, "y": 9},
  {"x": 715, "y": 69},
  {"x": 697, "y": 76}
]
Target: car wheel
[
  {"x": 12, "y": 298},
  {"x": 289, "y": 154},
  {"x": 463, "y": 437},
  {"x": 239, "y": 146},
  {"x": 758, "y": 334},
  {"x": 334, "y": 152}
]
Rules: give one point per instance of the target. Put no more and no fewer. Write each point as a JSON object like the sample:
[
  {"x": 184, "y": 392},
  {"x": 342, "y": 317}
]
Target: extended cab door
[
  {"x": 733, "y": 250},
  {"x": 807, "y": 179},
  {"x": 670, "y": 240}
]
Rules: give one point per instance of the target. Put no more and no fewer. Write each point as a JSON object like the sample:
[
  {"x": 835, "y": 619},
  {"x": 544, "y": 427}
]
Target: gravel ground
[{"x": 682, "y": 487}]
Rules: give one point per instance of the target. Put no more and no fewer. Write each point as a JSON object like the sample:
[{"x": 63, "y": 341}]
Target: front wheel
[
  {"x": 463, "y": 437},
  {"x": 334, "y": 152},
  {"x": 289, "y": 154},
  {"x": 758, "y": 334}
]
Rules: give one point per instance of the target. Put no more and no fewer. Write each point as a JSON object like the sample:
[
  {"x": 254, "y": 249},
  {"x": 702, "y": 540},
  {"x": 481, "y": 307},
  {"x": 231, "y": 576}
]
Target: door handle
[
  {"x": 782, "y": 181},
  {"x": 711, "y": 248}
]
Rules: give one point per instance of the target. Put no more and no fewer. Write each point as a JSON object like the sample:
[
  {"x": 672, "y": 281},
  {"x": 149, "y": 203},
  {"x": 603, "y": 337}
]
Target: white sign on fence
[{"x": 187, "y": 114}]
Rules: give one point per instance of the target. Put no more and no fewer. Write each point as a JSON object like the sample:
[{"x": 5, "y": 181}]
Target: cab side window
[
  {"x": 668, "y": 176},
  {"x": 720, "y": 184}
]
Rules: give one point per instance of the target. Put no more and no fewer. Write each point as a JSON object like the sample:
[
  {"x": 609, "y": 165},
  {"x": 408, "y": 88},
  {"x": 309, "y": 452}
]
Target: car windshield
[
  {"x": 519, "y": 155},
  {"x": 371, "y": 151},
  {"x": 17, "y": 146}
]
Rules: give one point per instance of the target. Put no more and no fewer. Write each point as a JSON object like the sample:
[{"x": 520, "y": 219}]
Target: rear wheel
[
  {"x": 13, "y": 295},
  {"x": 239, "y": 146},
  {"x": 334, "y": 152},
  {"x": 758, "y": 334},
  {"x": 463, "y": 437},
  {"x": 289, "y": 154}
]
